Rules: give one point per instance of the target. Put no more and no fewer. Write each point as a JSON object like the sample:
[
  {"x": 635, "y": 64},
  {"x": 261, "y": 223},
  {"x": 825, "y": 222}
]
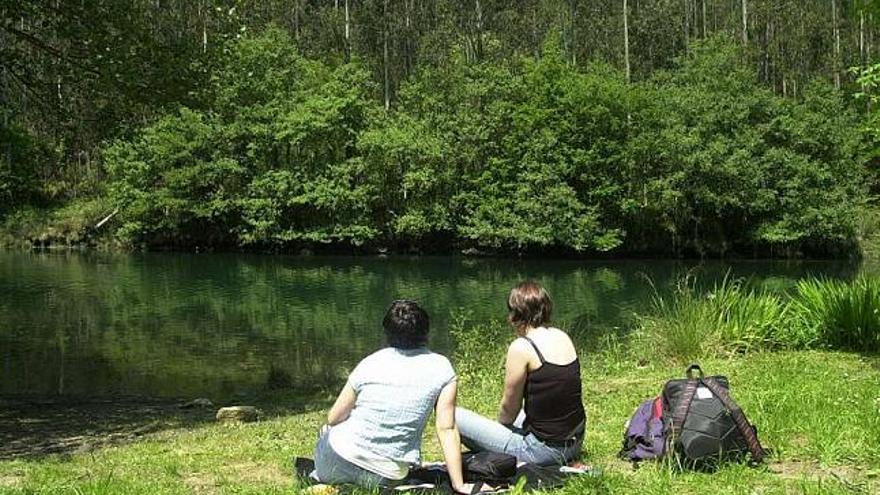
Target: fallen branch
[{"x": 108, "y": 217}]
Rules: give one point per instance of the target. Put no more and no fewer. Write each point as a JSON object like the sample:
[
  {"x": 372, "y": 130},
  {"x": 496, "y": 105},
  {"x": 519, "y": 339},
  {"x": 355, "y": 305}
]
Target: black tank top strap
[{"x": 540, "y": 356}]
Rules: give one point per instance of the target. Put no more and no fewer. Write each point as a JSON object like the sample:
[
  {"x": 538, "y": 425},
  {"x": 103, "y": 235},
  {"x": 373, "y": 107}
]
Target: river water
[{"x": 221, "y": 326}]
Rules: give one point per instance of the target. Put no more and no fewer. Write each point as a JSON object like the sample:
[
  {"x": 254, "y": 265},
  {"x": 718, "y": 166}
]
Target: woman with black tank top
[{"x": 541, "y": 419}]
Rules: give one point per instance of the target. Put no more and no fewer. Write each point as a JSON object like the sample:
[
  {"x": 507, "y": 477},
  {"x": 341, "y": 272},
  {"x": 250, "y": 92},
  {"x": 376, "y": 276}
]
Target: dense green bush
[
  {"x": 725, "y": 164},
  {"x": 508, "y": 157},
  {"x": 530, "y": 154},
  {"x": 273, "y": 162}
]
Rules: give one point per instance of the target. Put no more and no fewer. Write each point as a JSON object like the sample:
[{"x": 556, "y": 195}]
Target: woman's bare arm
[
  {"x": 516, "y": 370},
  {"x": 342, "y": 407},
  {"x": 447, "y": 433}
]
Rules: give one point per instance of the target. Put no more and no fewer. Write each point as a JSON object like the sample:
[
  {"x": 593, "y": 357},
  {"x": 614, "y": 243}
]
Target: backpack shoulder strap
[
  {"x": 687, "y": 397},
  {"x": 684, "y": 404},
  {"x": 540, "y": 356},
  {"x": 739, "y": 417}
]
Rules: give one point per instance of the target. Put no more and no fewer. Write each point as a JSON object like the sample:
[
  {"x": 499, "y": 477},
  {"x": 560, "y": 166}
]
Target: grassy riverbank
[
  {"x": 70, "y": 226},
  {"x": 819, "y": 412}
]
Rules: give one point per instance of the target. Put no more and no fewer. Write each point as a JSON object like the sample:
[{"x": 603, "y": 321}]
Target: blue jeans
[
  {"x": 333, "y": 469},
  {"x": 480, "y": 433}
]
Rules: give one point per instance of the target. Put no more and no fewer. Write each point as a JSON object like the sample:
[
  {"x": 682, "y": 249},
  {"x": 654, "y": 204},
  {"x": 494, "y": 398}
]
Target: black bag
[
  {"x": 488, "y": 466},
  {"x": 704, "y": 423}
]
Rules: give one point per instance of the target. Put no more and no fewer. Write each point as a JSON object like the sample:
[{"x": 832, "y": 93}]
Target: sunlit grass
[
  {"x": 839, "y": 314},
  {"x": 730, "y": 318},
  {"x": 734, "y": 318},
  {"x": 817, "y": 410}
]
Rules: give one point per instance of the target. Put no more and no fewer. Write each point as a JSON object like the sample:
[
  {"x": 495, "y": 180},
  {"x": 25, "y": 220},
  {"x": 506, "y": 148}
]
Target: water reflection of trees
[{"x": 222, "y": 325}]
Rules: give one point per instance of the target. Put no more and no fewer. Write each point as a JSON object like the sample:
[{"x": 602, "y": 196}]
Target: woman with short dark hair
[
  {"x": 374, "y": 429},
  {"x": 541, "y": 419},
  {"x": 406, "y": 325}
]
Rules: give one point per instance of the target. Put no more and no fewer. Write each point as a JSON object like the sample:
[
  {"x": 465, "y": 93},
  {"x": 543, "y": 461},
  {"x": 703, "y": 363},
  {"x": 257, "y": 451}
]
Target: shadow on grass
[{"x": 36, "y": 427}]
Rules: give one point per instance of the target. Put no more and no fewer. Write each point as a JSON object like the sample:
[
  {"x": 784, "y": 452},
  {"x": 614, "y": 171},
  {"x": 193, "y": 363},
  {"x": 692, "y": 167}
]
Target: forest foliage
[
  {"x": 531, "y": 153},
  {"x": 263, "y": 131}
]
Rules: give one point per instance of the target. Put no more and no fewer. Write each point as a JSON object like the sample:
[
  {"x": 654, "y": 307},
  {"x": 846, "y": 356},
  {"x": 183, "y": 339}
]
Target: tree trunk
[
  {"x": 703, "y": 2},
  {"x": 202, "y": 16},
  {"x": 687, "y": 24},
  {"x": 385, "y": 54},
  {"x": 410, "y": 37},
  {"x": 836, "y": 33},
  {"x": 862, "y": 60},
  {"x": 479, "y": 25},
  {"x": 714, "y": 18},
  {"x": 347, "y": 33},
  {"x": 745, "y": 23},
  {"x": 536, "y": 44},
  {"x": 296, "y": 14},
  {"x": 626, "y": 41},
  {"x": 572, "y": 5},
  {"x": 767, "y": 28}
]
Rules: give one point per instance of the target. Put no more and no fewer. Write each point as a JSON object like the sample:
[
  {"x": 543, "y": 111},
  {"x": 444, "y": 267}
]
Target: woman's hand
[
  {"x": 463, "y": 488},
  {"x": 468, "y": 488}
]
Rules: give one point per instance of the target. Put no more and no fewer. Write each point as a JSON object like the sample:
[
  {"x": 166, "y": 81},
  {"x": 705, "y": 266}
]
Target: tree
[{"x": 626, "y": 41}]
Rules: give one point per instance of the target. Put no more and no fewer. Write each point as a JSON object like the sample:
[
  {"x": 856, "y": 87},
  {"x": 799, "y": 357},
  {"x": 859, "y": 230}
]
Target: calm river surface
[{"x": 220, "y": 326}]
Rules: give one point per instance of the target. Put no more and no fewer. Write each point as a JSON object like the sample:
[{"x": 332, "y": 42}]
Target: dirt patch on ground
[
  {"x": 250, "y": 473},
  {"x": 800, "y": 441},
  {"x": 201, "y": 483},
  {"x": 795, "y": 469},
  {"x": 853, "y": 477},
  {"x": 10, "y": 480},
  {"x": 35, "y": 428},
  {"x": 253, "y": 472}
]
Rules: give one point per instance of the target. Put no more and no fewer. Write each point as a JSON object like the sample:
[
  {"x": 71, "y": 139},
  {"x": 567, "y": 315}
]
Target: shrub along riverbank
[
  {"x": 528, "y": 154},
  {"x": 818, "y": 410}
]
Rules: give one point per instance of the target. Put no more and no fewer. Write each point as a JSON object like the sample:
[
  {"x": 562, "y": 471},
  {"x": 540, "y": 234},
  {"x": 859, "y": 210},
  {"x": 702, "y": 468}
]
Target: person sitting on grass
[
  {"x": 374, "y": 429},
  {"x": 542, "y": 418}
]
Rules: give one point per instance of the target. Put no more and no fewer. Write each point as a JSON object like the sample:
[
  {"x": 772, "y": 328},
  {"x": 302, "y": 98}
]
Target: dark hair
[
  {"x": 406, "y": 325},
  {"x": 529, "y": 305}
]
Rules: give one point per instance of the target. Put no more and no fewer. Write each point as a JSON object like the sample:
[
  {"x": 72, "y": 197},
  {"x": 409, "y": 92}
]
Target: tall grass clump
[
  {"x": 728, "y": 319},
  {"x": 478, "y": 347},
  {"x": 478, "y": 357},
  {"x": 844, "y": 315}
]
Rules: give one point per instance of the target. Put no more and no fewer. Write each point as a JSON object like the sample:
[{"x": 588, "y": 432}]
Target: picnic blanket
[{"x": 433, "y": 478}]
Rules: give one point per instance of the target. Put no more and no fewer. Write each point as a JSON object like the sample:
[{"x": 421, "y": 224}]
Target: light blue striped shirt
[{"x": 396, "y": 392}]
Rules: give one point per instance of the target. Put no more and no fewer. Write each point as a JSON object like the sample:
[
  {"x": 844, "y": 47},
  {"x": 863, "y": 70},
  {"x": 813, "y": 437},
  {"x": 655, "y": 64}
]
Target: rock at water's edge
[{"x": 238, "y": 414}]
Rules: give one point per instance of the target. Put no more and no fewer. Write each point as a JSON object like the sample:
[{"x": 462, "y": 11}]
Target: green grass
[
  {"x": 734, "y": 318},
  {"x": 818, "y": 410},
  {"x": 730, "y": 318},
  {"x": 839, "y": 314}
]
